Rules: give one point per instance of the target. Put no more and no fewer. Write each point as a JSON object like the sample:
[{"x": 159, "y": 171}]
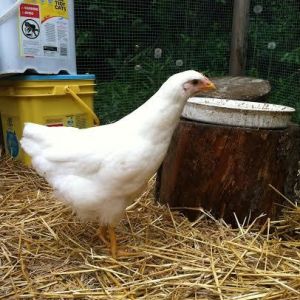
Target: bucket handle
[{"x": 82, "y": 104}]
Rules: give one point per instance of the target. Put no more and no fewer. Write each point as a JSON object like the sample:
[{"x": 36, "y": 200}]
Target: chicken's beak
[
  {"x": 206, "y": 85},
  {"x": 197, "y": 87}
]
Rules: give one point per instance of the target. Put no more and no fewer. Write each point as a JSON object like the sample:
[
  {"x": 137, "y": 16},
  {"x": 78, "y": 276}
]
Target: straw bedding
[{"x": 47, "y": 253}]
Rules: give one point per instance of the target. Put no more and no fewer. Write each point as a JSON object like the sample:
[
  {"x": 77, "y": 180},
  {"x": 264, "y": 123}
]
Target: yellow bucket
[{"x": 54, "y": 100}]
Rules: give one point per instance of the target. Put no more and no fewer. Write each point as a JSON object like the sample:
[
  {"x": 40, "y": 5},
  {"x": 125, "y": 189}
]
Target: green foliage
[
  {"x": 137, "y": 80},
  {"x": 116, "y": 40},
  {"x": 292, "y": 57},
  {"x": 273, "y": 49}
]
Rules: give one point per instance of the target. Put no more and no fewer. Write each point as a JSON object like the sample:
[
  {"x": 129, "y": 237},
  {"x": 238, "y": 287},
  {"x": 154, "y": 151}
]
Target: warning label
[
  {"x": 44, "y": 28},
  {"x": 31, "y": 29},
  {"x": 30, "y": 11},
  {"x": 77, "y": 120},
  {"x": 30, "y": 26}
]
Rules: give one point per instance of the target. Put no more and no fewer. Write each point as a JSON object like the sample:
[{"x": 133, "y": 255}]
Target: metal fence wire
[
  {"x": 274, "y": 49},
  {"x": 133, "y": 46}
]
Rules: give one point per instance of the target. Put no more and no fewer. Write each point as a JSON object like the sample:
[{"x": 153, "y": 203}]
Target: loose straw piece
[{"x": 46, "y": 252}]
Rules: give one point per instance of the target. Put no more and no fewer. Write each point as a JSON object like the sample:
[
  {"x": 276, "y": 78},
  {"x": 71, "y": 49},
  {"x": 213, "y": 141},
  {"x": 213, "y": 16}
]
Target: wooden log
[
  {"x": 228, "y": 170},
  {"x": 238, "y": 53},
  {"x": 239, "y": 88}
]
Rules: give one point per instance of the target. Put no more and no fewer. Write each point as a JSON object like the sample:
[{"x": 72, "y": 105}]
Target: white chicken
[{"x": 99, "y": 171}]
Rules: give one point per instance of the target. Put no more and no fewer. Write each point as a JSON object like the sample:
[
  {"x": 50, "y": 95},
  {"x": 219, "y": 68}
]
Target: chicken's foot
[
  {"x": 112, "y": 242},
  {"x": 101, "y": 233}
]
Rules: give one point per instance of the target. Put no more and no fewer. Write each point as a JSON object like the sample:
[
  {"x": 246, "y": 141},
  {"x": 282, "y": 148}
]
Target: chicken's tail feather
[
  {"x": 33, "y": 136},
  {"x": 38, "y": 138},
  {"x": 34, "y": 131}
]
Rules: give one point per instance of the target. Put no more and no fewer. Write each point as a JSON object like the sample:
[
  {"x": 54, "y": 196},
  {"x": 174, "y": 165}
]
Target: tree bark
[{"x": 229, "y": 170}]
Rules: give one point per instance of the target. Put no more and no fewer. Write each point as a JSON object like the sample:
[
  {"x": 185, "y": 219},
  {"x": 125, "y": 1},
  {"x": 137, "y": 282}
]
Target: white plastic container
[
  {"x": 237, "y": 113},
  {"x": 37, "y": 36}
]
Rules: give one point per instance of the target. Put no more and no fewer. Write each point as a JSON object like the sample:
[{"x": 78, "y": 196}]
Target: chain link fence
[
  {"x": 133, "y": 46},
  {"x": 274, "y": 49}
]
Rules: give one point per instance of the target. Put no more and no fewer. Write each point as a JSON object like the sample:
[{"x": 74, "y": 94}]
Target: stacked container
[{"x": 37, "y": 37}]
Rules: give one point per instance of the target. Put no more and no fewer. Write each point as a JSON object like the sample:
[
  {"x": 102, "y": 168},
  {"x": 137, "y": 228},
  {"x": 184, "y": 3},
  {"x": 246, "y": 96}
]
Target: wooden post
[{"x": 240, "y": 23}]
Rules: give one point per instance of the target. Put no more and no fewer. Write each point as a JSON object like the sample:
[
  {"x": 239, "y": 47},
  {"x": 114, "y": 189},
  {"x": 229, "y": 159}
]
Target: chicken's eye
[{"x": 195, "y": 81}]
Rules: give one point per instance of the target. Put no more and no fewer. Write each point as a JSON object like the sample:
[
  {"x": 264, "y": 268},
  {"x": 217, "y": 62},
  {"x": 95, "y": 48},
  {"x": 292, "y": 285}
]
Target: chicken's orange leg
[
  {"x": 102, "y": 235},
  {"x": 113, "y": 241}
]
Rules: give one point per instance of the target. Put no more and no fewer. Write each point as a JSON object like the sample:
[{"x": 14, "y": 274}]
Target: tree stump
[
  {"x": 229, "y": 170},
  {"x": 239, "y": 88}
]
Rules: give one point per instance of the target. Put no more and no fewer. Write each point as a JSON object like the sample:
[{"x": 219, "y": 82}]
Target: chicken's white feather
[{"x": 100, "y": 170}]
